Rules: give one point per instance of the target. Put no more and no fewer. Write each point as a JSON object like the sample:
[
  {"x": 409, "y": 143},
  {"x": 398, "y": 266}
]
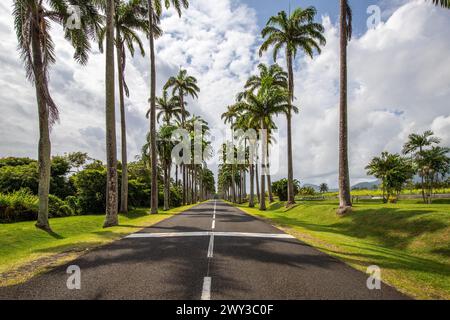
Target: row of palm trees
[
  {"x": 272, "y": 93},
  {"x": 118, "y": 23}
]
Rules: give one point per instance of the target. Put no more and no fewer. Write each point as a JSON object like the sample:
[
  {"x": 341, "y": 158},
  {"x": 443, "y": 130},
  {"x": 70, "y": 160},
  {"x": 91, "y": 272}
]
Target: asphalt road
[{"x": 212, "y": 251}]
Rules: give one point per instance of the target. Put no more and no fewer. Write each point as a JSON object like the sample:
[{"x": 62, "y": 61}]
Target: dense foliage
[{"x": 280, "y": 188}]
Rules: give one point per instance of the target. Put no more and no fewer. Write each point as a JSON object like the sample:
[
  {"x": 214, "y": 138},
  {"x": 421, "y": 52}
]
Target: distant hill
[{"x": 366, "y": 185}]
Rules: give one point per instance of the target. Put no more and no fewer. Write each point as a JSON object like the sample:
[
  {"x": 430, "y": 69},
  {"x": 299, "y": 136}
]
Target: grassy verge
[
  {"x": 409, "y": 241},
  {"x": 26, "y": 251}
]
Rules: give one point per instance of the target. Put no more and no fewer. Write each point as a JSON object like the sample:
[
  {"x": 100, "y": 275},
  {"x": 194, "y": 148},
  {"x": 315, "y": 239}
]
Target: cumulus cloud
[{"x": 399, "y": 77}]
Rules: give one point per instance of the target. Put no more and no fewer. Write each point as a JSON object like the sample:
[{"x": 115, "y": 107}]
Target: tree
[
  {"x": 169, "y": 108},
  {"x": 431, "y": 164},
  {"x": 32, "y": 22},
  {"x": 182, "y": 85},
  {"x": 298, "y": 31},
  {"x": 165, "y": 145},
  {"x": 415, "y": 147},
  {"x": 260, "y": 109},
  {"x": 393, "y": 170},
  {"x": 280, "y": 188},
  {"x": 154, "y": 12},
  {"x": 129, "y": 18},
  {"x": 344, "y": 177},
  {"x": 323, "y": 188},
  {"x": 111, "y": 218},
  {"x": 442, "y": 3}
]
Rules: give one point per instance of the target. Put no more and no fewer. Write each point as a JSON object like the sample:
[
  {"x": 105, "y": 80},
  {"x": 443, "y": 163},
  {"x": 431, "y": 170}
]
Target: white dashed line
[
  {"x": 211, "y": 246},
  {"x": 206, "y": 292},
  {"x": 213, "y": 224}
]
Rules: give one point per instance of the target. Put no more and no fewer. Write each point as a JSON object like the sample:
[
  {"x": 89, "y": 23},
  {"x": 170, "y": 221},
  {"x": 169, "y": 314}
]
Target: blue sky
[{"x": 267, "y": 8}]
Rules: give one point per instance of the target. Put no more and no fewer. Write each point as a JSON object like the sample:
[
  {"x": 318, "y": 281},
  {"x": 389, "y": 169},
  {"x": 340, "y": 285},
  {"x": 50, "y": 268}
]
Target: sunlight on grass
[
  {"x": 22, "y": 243},
  {"x": 408, "y": 240}
]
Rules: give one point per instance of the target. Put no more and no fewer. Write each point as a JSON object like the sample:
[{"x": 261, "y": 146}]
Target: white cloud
[{"x": 399, "y": 76}]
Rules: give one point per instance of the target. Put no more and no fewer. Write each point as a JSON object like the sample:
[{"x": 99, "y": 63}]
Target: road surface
[{"x": 212, "y": 251}]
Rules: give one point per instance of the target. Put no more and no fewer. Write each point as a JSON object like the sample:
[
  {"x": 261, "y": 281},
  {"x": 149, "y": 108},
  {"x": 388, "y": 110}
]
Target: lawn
[
  {"x": 410, "y": 241},
  {"x": 26, "y": 250}
]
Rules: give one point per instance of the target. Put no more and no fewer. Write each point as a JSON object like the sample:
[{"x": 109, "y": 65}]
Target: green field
[
  {"x": 26, "y": 251},
  {"x": 379, "y": 192},
  {"x": 410, "y": 241}
]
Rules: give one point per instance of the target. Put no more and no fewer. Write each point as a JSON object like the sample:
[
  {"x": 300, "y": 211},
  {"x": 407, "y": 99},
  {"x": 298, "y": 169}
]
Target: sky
[{"x": 399, "y": 76}]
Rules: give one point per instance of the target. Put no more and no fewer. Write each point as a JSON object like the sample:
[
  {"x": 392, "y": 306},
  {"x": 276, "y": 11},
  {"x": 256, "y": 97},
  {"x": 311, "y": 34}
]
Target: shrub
[
  {"x": 91, "y": 190},
  {"x": 138, "y": 194},
  {"x": 14, "y": 178},
  {"x": 307, "y": 191},
  {"x": 58, "y": 208},
  {"x": 20, "y": 205},
  {"x": 280, "y": 188}
]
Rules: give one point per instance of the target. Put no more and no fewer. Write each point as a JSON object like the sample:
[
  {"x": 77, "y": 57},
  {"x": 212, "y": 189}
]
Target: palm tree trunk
[
  {"x": 44, "y": 149},
  {"x": 344, "y": 180},
  {"x": 233, "y": 185},
  {"x": 123, "y": 130},
  {"x": 251, "y": 202},
  {"x": 262, "y": 202},
  {"x": 258, "y": 194},
  {"x": 111, "y": 147},
  {"x": 291, "y": 196},
  {"x": 154, "y": 186},
  {"x": 269, "y": 179},
  {"x": 166, "y": 188}
]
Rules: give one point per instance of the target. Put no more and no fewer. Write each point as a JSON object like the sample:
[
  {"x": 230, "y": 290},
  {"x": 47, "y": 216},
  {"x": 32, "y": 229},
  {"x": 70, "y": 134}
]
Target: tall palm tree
[
  {"x": 294, "y": 32},
  {"x": 182, "y": 85},
  {"x": 442, "y": 3},
  {"x": 32, "y": 22},
  {"x": 344, "y": 177},
  {"x": 154, "y": 12},
  {"x": 111, "y": 218},
  {"x": 129, "y": 18}
]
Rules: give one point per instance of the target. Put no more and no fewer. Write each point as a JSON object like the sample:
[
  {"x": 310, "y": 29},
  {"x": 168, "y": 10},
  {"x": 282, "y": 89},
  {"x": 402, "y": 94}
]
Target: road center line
[
  {"x": 213, "y": 224},
  {"x": 206, "y": 292},
  {"x": 211, "y": 246}
]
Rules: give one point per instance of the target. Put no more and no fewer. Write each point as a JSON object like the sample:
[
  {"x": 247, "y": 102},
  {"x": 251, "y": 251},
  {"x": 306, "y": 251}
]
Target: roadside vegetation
[{"x": 408, "y": 240}]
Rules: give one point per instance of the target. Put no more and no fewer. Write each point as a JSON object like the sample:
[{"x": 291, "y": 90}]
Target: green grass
[
  {"x": 378, "y": 193},
  {"x": 410, "y": 241},
  {"x": 26, "y": 250}
]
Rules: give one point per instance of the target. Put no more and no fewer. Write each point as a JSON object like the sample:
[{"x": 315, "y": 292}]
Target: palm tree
[
  {"x": 415, "y": 147},
  {"x": 433, "y": 163},
  {"x": 169, "y": 108},
  {"x": 129, "y": 18},
  {"x": 344, "y": 178},
  {"x": 32, "y": 21},
  {"x": 260, "y": 110},
  {"x": 183, "y": 85},
  {"x": 442, "y": 3},
  {"x": 165, "y": 146},
  {"x": 323, "y": 187},
  {"x": 111, "y": 218},
  {"x": 298, "y": 31},
  {"x": 154, "y": 12}
]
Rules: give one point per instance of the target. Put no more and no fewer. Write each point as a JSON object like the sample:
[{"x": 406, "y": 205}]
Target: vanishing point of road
[{"x": 211, "y": 251}]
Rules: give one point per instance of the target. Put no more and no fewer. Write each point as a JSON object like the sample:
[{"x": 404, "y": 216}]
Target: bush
[
  {"x": 280, "y": 188},
  {"x": 307, "y": 191},
  {"x": 58, "y": 208},
  {"x": 20, "y": 205},
  {"x": 91, "y": 190},
  {"x": 14, "y": 178},
  {"x": 138, "y": 194}
]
